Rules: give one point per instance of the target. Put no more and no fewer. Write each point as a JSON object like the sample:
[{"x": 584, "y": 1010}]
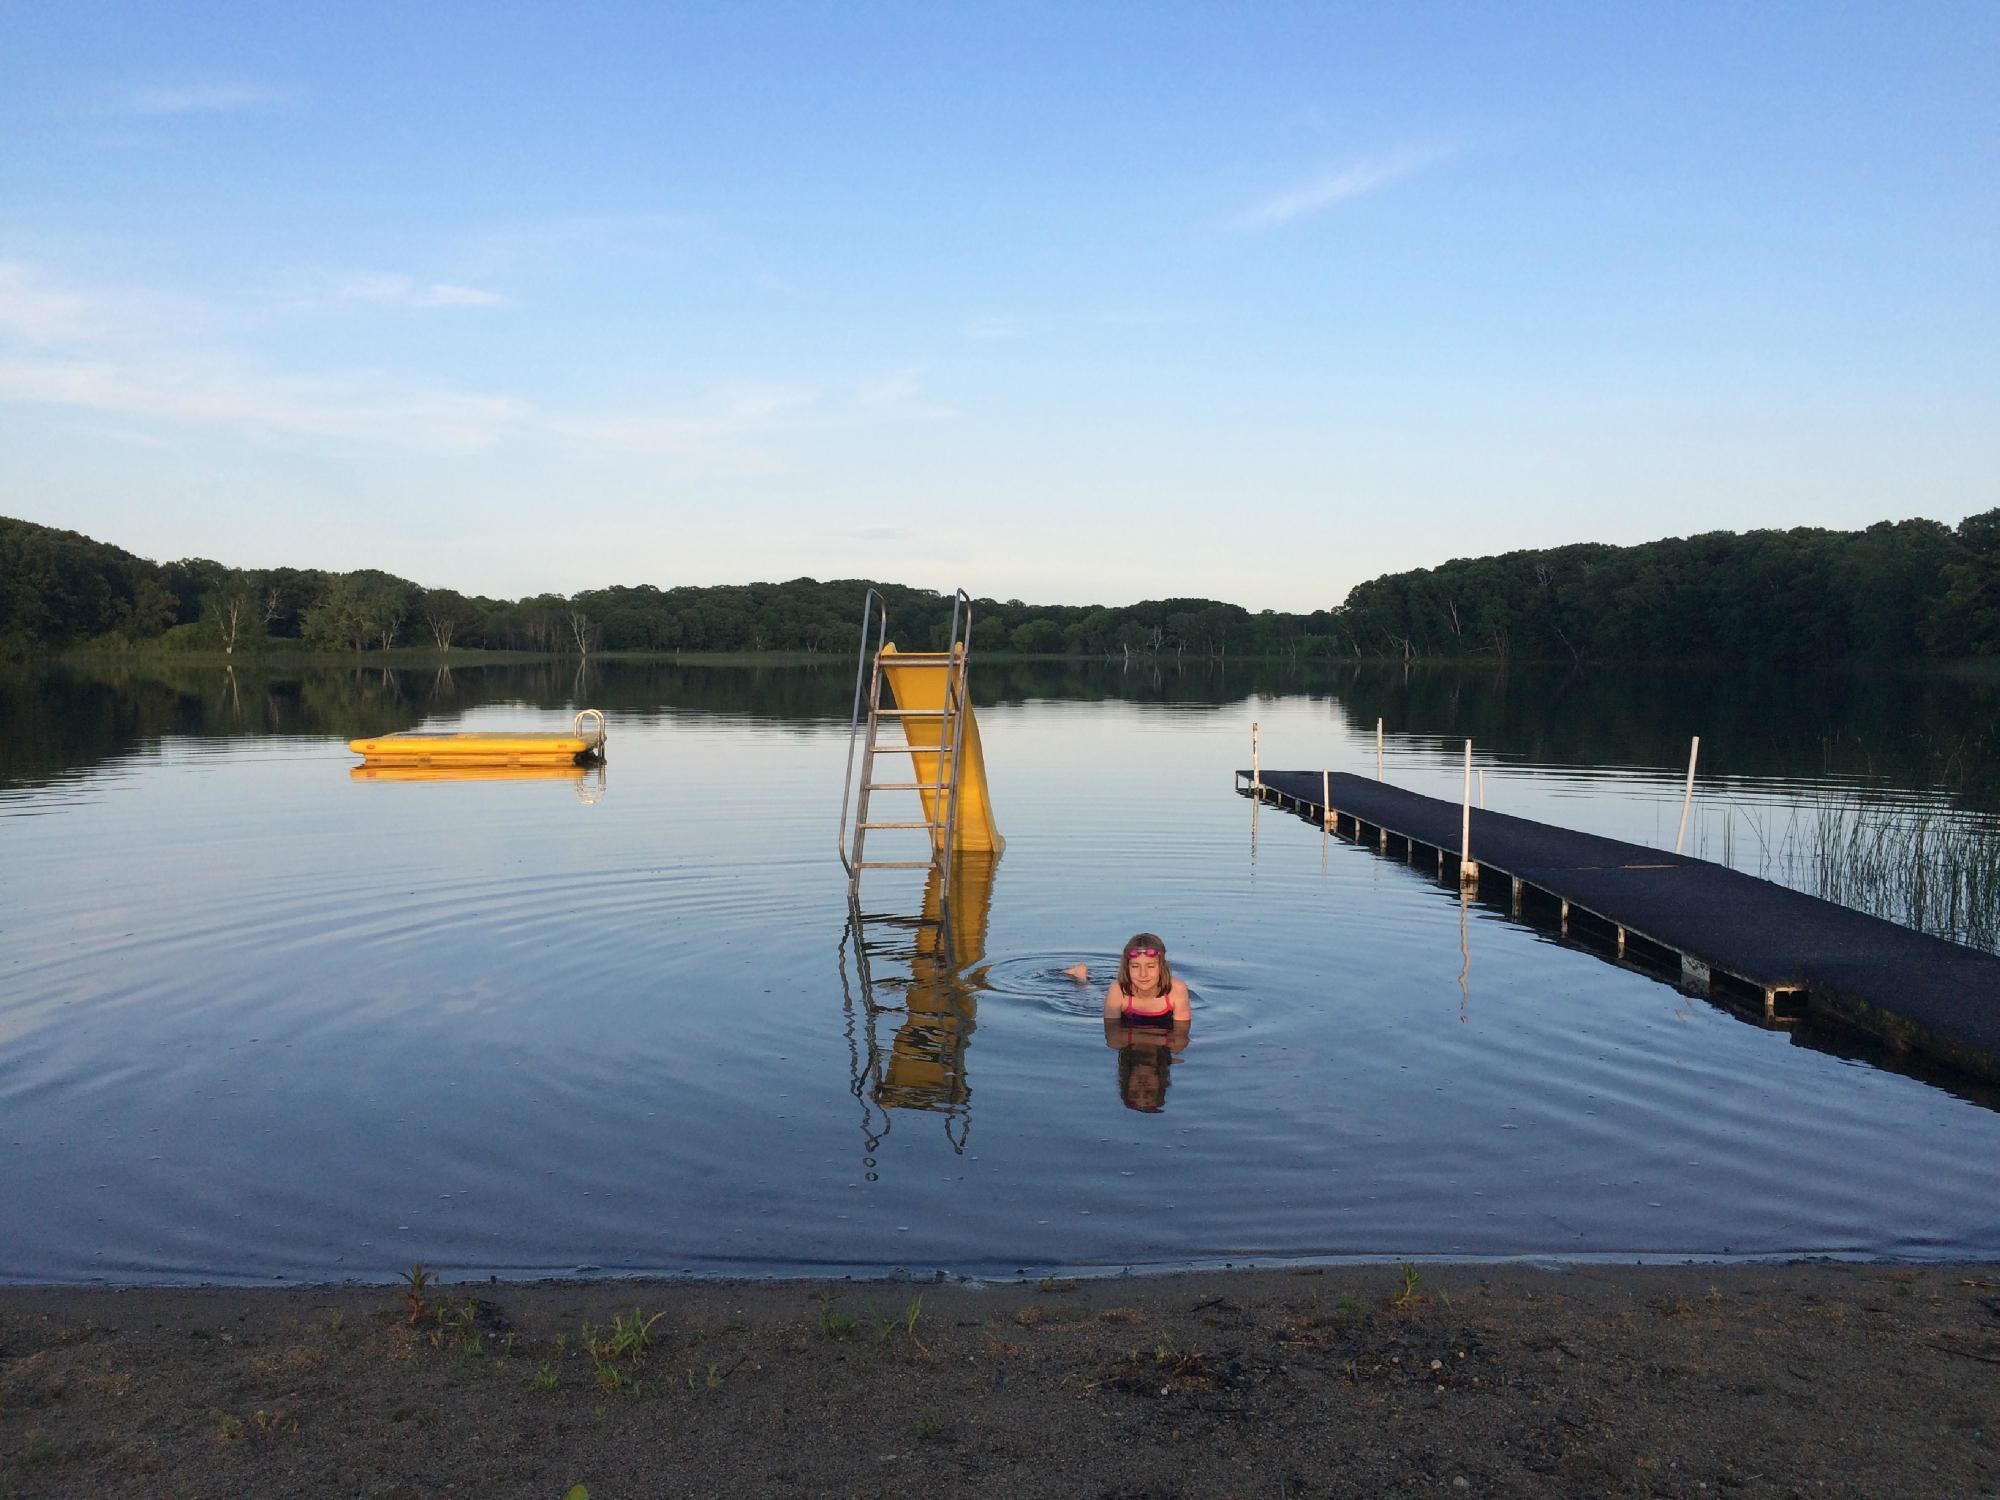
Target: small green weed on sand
[
  {"x": 417, "y": 1286},
  {"x": 1407, "y": 1297},
  {"x": 833, "y": 1323},
  {"x": 632, "y": 1336},
  {"x": 710, "y": 1381}
]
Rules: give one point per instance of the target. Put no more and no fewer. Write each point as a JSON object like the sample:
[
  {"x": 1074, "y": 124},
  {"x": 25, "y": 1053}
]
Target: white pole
[
  {"x": 1465, "y": 865},
  {"x": 1256, "y": 772},
  {"x": 1378, "y": 749},
  {"x": 1325, "y": 799},
  {"x": 1687, "y": 797}
]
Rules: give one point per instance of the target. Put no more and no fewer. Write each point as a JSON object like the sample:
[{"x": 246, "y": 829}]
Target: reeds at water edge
[
  {"x": 1929, "y": 865},
  {"x": 1934, "y": 869}
]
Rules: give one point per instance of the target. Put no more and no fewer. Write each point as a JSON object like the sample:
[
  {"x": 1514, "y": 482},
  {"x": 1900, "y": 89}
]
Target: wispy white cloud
[
  {"x": 897, "y": 397},
  {"x": 577, "y": 240},
  {"x": 207, "y": 99},
  {"x": 996, "y": 327},
  {"x": 869, "y": 533},
  {"x": 1143, "y": 319},
  {"x": 37, "y": 313},
  {"x": 71, "y": 348},
  {"x": 40, "y": 313},
  {"x": 407, "y": 291},
  {"x": 1338, "y": 186},
  {"x": 740, "y": 413},
  {"x": 221, "y": 392}
]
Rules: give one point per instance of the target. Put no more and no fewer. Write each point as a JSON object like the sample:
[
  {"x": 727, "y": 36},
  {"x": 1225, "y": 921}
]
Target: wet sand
[{"x": 1810, "y": 1379}]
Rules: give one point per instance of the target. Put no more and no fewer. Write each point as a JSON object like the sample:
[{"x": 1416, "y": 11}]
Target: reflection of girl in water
[{"x": 1142, "y": 1077}]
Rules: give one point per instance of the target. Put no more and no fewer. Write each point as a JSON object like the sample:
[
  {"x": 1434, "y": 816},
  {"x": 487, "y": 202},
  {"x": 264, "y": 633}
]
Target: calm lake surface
[{"x": 260, "y": 1019}]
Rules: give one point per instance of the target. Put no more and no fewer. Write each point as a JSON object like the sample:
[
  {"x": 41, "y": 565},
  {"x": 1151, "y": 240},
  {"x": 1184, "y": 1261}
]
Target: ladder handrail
[
  {"x": 959, "y": 650},
  {"x": 879, "y": 616},
  {"x": 955, "y": 705}
]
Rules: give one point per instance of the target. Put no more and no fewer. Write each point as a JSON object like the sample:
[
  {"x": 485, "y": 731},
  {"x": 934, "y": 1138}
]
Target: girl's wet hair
[{"x": 1143, "y": 940}]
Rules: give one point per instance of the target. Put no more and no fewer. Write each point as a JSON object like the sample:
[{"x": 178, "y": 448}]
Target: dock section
[{"x": 1720, "y": 929}]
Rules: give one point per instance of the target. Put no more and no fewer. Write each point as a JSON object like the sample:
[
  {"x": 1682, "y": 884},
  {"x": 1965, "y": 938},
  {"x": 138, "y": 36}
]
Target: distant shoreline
[{"x": 1970, "y": 667}]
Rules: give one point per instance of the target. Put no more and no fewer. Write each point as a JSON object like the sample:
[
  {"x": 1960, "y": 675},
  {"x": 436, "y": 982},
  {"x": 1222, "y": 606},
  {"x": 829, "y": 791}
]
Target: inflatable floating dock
[{"x": 583, "y": 745}]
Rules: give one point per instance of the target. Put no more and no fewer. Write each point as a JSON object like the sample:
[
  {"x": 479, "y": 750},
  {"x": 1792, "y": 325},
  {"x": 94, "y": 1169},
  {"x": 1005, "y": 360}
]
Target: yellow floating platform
[{"x": 582, "y": 745}]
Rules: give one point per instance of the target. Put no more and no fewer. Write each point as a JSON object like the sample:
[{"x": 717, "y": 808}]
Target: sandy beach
[{"x": 1810, "y": 1379}]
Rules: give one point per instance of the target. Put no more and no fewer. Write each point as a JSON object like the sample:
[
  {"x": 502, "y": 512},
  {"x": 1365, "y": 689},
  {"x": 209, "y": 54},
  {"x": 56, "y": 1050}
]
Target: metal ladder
[{"x": 865, "y": 732}]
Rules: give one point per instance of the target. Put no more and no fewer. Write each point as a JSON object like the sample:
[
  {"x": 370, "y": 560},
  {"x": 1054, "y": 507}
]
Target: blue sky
[{"x": 1053, "y": 302}]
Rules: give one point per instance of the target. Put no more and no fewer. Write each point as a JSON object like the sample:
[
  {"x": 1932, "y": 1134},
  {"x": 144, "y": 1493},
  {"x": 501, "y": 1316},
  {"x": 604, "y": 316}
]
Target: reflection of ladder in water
[
  {"x": 933, "y": 728},
  {"x": 928, "y": 1009}
]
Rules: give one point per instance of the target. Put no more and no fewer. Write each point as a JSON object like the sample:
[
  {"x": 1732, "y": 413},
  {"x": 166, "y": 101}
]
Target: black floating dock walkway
[{"x": 1726, "y": 930}]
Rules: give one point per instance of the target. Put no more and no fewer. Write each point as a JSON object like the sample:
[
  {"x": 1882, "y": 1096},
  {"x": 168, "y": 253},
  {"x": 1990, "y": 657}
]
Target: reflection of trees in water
[{"x": 1906, "y": 729}]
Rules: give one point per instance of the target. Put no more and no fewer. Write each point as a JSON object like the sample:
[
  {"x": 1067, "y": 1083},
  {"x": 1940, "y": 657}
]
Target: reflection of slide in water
[{"x": 915, "y": 967}]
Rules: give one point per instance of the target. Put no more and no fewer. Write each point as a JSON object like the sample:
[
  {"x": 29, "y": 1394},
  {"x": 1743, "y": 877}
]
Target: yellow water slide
[{"x": 921, "y": 685}]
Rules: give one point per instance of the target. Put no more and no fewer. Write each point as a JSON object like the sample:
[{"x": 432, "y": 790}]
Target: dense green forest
[{"x": 1894, "y": 591}]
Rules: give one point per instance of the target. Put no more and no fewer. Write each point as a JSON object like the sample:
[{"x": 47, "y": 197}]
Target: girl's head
[{"x": 1143, "y": 971}]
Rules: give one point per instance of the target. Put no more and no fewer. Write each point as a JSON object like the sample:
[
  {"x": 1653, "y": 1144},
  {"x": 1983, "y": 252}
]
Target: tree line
[
  {"x": 1897, "y": 590},
  {"x": 1894, "y": 591}
]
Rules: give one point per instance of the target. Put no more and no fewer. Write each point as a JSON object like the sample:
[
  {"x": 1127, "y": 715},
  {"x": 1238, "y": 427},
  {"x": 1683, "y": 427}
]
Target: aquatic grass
[{"x": 1931, "y": 869}]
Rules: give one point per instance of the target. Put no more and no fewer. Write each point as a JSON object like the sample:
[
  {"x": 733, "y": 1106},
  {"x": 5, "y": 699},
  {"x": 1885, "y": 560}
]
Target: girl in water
[{"x": 1145, "y": 993}]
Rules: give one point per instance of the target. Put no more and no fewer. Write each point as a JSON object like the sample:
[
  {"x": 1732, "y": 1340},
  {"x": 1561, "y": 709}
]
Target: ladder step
[
  {"x": 894, "y": 864},
  {"x": 913, "y": 713},
  {"x": 919, "y": 658},
  {"x": 921, "y": 823},
  {"x": 906, "y": 786}
]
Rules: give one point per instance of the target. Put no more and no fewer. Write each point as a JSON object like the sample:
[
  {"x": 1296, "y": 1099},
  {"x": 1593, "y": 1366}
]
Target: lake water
[{"x": 259, "y": 1019}]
